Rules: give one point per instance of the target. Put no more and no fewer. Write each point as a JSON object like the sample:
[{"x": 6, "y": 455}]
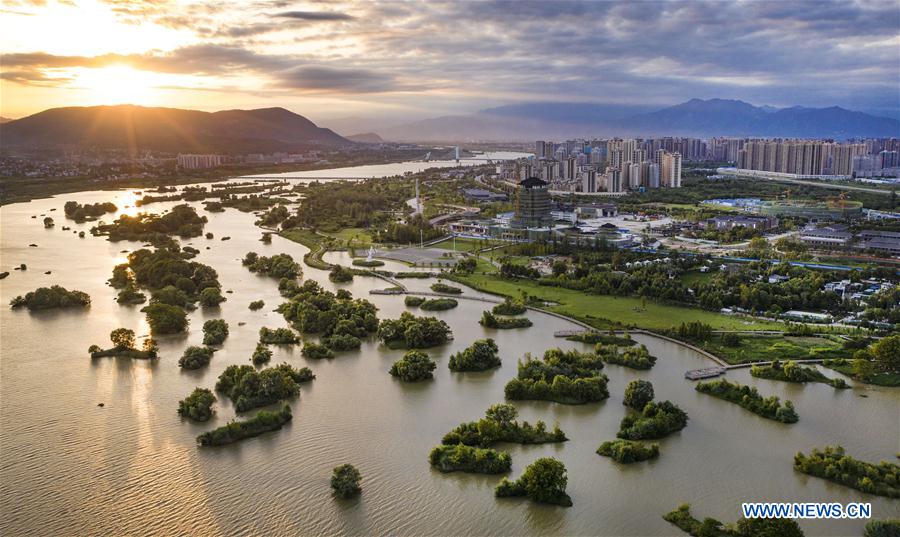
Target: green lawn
[
  {"x": 757, "y": 348},
  {"x": 604, "y": 311},
  {"x": 359, "y": 236},
  {"x": 695, "y": 276},
  {"x": 462, "y": 244}
]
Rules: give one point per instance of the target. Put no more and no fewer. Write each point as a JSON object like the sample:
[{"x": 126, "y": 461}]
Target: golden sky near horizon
[{"x": 408, "y": 59}]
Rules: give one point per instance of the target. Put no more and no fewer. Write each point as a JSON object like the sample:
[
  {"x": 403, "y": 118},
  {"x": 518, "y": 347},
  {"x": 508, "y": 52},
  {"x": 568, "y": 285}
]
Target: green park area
[
  {"x": 751, "y": 348},
  {"x": 352, "y": 236},
  {"x": 604, "y": 311}
]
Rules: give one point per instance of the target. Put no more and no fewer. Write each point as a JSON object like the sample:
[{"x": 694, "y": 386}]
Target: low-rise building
[
  {"x": 732, "y": 221},
  {"x": 833, "y": 236},
  {"x": 482, "y": 195}
]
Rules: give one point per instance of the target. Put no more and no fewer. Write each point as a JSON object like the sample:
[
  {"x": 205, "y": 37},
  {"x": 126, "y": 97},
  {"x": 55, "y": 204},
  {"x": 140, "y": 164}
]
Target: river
[
  {"x": 132, "y": 467},
  {"x": 393, "y": 169}
]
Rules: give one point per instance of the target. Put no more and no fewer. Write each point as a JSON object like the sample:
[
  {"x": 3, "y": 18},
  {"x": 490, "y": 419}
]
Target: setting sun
[{"x": 118, "y": 84}]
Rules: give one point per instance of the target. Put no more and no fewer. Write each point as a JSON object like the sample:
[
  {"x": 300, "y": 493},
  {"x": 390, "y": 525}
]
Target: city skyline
[{"x": 404, "y": 61}]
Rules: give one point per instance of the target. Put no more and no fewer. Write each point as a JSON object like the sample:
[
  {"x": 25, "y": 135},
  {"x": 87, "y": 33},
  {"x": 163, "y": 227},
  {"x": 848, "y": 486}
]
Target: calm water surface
[
  {"x": 132, "y": 467},
  {"x": 396, "y": 168}
]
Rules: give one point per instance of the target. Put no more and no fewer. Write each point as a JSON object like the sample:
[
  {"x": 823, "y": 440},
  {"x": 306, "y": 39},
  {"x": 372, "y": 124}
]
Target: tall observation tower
[{"x": 532, "y": 204}]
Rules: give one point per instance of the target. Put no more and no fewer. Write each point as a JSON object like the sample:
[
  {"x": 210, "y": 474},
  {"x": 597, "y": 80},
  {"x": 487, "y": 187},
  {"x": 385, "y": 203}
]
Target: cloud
[
  {"x": 329, "y": 79},
  {"x": 314, "y": 15}
]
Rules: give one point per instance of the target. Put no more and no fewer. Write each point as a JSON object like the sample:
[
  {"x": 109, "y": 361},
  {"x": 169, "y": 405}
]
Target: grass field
[
  {"x": 462, "y": 244},
  {"x": 604, "y": 311},
  {"x": 695, "y": 276},
  {"x": 758, "y": 348},
  {"x": 359, "y": 236}
]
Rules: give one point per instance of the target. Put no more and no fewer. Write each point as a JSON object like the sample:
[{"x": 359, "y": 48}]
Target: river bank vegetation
[
  {"x": 543, "y": 481},
  {"x": 182, "y": 221},
  {"x": 655, "y": 420},
  {"x": 606, "y": 339},
  {"x": 833, "y": 464},
  {"x": 235, "y": 431},
  {"x": 499, "y": 425},
  {"x": 791, "y": 371},
  {"x": 45, "y": 298},
  {"x": 749, "y": 398},
  {"x": 627, "y": 451},
  {"x": 481, "y": 355},
  {"x": 89, "y": 211},
  {"x": 509, "y": 307},
  {"x": 463, "y": 458},
  {"x": 568, "y": 377},
  {"x": 248, "y": 388}
]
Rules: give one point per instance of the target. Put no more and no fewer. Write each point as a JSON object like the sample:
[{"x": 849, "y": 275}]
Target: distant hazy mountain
[
  {"x": 714, "y": 117},
  {"x": 169, "y": 129},
  {"x": 366, "y": 138},
  {"x": 5, "y": 119}
]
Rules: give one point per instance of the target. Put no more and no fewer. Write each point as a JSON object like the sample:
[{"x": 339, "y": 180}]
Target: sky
[{"x": 410, "y": 60}]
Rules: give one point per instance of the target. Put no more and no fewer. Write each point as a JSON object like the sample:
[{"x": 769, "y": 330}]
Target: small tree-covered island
[
  {"x": 627, "y": 451},
  {"x": 345, "y": 481},
  {"x": 124, "y": 346},
  {"x": 833, "y": 464},
  {"x": 198, "y": 405},
  {"x": 413, "y": 332},
  {"x": 745, "y": 527},
  {"x": 45, "y": 298},
  {"x": 634, "y": 357},
  {"x": 248, "y": 388},
  {"x": 747, "y": 397},
  {"x": 235, "y": 431},
  {"x": 569, "y": 377},
  {"x": 544, "y": 481},
  {"x": 479, "y": 356},
  {"x": 791, "y": 371},
  {"x": 655, "y": 420},
  {"x": 499, "y": 425},
  {"x": 489, "y": 320},
  {"x": 463, "y": 458},
  {"x": 415, "y": 366}
]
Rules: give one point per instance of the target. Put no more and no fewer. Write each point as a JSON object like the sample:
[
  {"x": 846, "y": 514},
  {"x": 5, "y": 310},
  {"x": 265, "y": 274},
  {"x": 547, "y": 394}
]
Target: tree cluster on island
[
  {"x": 166, "y": 319},
  {"x": 124, "y": 346},
  {"x": 45, "y": 298},
  {"x": 637, "y": 357},
  {"x": 339, "y": 274},
  {"x": 195, "y": 357},
  {"x": 791, "y": 371},
  {"x": 367, "y": 263},
  {"x": 499, "y": 425},
  {"x": 413, "y": 332},
  {"x": 316, "y": 351},
  {"x": 543, "y": 481},
  {"x": 341, "y": 320},
  {"x": 415, "y": 366},
  {"x": 882, "y": 528},
  {"x": 276, "y": 266},
  {"x": 215, "y": 331},
  {"x": 610, "y": 338},
  {"x": 234, "y": 431},
  {"x": 749, "y": 398},
  {"x": 463, "y": 458},
  {"x": 413, "y": 301},
  {"x": 489, "y": 320},
  {"x": 256, "y": 305},
  {"x": 655, "y": 420},
  {"x": 835, "y": 465},
  {"x": 261, "y": 355},
  {"x": 745, "y": 527},
  {"x": 628, "y": 451},
  {"x": 438, "y": 304},
  {"x": 248, "y": 388},
  {"x": 509, "y": 307},
  {"x": 345, "y": 481},
  {"x": 198, "y": 405},
  {"x": 878, "y": 364},
  {"x": 568, "y": 377},
  {"x": 181, "y": 220},
  {"x": 440, "y": 287},
  {"x": 89, "y": 211},
  {"x": 277, "y": 336},
  {"x": 481, "y": 355}
]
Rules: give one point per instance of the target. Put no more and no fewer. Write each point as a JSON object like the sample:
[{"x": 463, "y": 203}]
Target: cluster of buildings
[
  {"x": 839, "y": 237},
  {"x": 538, "y": 217},
  {"x": 610, "y": 166},
  {"x": 817, "y": 158},
  {"x": 207, "y": 161}
]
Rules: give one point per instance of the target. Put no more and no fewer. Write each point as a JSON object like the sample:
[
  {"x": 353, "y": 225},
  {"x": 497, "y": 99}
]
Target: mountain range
[
  {"x": 697, "y": 117},
  {"x": 169, "y": 129}
]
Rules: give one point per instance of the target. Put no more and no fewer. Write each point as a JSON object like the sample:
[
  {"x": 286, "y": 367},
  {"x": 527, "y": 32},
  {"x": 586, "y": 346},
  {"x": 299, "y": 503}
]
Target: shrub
[
  {"x": 277, "y": 336},
  {"x": 627, "y": 452},
  {"x": 257, "y": 305},
  {"x": 165, "y": 319},
  {"x": 195, "y": 357},
  {"x": 316, "y": 351},
  {"x": 509, "y": 307},
  {"x": 544, "y": 481},
  {"x": 656, "y": 420},
  {"x": 479, "y": 356},
  {"x": 198, "y": 405},
  {"x": 340, "y": 274},
  {"x": 211, "y": 297},
  {"x": 415, "y": 366},
  {"x": 262, "y": 355},
  {"x": 463, "y": 458},
  {"x": 345, "y": 481},
  {"x": 638, "y": 393},
  {"x": 215, "y": 331}
]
